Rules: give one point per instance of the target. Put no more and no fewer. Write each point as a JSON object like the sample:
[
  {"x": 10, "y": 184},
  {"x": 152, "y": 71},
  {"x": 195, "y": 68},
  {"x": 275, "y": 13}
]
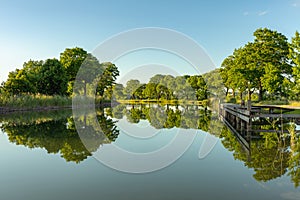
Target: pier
[{"x": 249, "y": 122}]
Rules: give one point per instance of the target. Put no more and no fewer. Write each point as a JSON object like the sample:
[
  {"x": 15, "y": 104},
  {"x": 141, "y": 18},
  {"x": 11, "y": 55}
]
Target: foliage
[
  {"x": 52, "y": 79},
  {"x": 295, "y": 57},
  {"x": 38, "y": 101},
  {"x": 262, "y": 65},
  {"x": 167, "y": 87}
]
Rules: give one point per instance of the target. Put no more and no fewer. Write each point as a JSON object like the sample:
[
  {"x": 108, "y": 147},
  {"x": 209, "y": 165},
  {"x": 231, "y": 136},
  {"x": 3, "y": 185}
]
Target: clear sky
[{"x": 43, "y": 29}]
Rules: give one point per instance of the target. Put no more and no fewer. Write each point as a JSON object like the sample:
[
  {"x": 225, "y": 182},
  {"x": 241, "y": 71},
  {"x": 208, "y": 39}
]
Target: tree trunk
[
  {"x": 260, "y": 94},
  {"x": 249, "y": 95},
  {"x": 241, "y": 95},
  {"x": 226, "y": 93}
]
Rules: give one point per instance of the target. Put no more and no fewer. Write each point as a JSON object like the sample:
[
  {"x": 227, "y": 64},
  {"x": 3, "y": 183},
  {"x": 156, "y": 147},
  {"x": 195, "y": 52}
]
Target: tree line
[
  {"x": 57, "y": 76},
  {"x": 164, "y": 87},
  {"x": 268, "y": 66}
]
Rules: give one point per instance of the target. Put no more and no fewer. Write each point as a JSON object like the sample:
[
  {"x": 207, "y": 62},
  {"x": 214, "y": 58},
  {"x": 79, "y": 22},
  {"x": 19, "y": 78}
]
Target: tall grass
[
  {"x": 33, "y": 101},
  {"x": 163, "y": 101}
]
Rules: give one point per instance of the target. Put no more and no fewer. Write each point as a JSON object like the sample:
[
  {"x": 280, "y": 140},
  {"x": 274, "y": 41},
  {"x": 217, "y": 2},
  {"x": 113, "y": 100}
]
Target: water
[{"x": 42, "y": 157}]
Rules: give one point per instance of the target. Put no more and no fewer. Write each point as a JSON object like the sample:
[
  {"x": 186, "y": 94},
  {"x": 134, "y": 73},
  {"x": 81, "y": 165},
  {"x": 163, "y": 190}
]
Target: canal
[{"x": 59, "y": 155}]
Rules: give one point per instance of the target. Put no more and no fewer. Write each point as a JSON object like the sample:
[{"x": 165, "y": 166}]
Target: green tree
[
  {"x": 214, "y": 82},
  {"x": 272, "y": 51},
  {"x": 163, "y": 92},
  {"x": 150, "y": 91},
  {"x": 118, "y": 91},
  {"x": 158, "y": 78},
  {"x": 107, "y": 78},
  {"x": 24, "y": 80},
  {"x": 72, "y": 59},
  {"x": 89, "y": 73},
  {"x": 198, "y": 83},
  {"x": 139, "y": 92},
  {"x": 231, "y": 77},
  {"x": 295, "y": 57},
  {"x": 53, "y": 78},
  {"x": 259, "y": 64},
  {"x": 131, "y": 87}
]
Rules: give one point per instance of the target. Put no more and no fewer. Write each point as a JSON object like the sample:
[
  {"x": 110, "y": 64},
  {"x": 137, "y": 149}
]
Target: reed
[{"x": 33, "y": 101}]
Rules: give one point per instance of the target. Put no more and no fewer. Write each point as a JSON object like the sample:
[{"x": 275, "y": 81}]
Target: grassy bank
[
  {"x": 171, "y": 102},
  {"x": 44, "y": 102},
  {"x": 284, "y": 104},
  {"x": 27, "y": 102}
]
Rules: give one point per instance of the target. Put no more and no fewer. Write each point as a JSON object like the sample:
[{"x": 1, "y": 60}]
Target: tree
[
  {"x": 259, "y": 64},
  {"x": 232, "y": 78},
  {"x": 214, "y": 82},
  {"x": 107, "y": 78},
  {"x": 131, "y": 87},
  {"x": 295, "y": 57},
  {"x": 72, "y": 59},
  {"x": 158, "y": 78},
  {"x": 272, "y": 51},
  {"x": 53, "y": 79},
  {"x": 139, "y": 92},
  {"x": 163, "y": 92},
  {"x": 89, "y": 73},
  {"x": 198, "y": 83},
  {"x": 24, "y": 80},
  {"x": 150, "y": 91},
  {"x": 118, "y": 91}
]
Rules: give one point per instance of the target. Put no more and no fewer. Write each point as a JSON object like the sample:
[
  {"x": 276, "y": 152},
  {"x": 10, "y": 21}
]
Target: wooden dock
[{"x": 241, "y": 120}]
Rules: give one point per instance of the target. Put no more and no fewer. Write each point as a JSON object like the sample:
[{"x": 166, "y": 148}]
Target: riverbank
[
  {"x": 24, "y": 103},
  {"x": 170, "y": 102},
  {"x": 33, "y": 102}
]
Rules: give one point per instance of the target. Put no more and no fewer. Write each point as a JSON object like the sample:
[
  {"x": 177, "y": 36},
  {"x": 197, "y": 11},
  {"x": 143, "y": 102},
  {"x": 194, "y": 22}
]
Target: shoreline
[{"x": 7, "y": 110}]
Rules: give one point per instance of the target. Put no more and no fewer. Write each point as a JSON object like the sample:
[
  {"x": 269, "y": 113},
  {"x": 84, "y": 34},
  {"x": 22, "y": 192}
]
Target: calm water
[{"x": 42, "y": 157}]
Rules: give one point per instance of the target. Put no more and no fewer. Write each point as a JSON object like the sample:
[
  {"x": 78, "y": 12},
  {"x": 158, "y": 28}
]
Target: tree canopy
[
  {"x": 57, "y": 77},
  {"x": 262, "y": 65}
]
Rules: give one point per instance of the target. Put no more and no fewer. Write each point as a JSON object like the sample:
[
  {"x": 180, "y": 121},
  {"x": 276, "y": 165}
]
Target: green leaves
[
  {"x": 53, "y": 78},
  {"x": 57, "y": 77},
  {"x": 167, "y": 87},
  {"x": 72, "y": 59},
  {"x": 261, "y": 65},
  {"x": 295, "y": 58}
]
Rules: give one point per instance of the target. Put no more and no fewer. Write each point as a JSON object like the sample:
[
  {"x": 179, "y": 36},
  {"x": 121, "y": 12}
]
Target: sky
[{"x": 38, "y": 30}]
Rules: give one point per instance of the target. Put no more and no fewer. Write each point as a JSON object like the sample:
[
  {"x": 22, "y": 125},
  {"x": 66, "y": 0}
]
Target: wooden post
[{"x": 249, "y": 105}]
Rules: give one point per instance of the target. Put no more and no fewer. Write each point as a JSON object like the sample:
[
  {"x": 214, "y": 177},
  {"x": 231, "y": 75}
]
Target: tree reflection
[
  {"x": 273, "y": 155},
  {"x": 165, "y": 116},
  {"x": 60, "y": 135}
]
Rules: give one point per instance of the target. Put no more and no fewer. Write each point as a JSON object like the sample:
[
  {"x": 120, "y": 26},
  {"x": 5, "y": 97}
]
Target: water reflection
[
  {"x": 274, "y": 144},
  {"x": 165, "y": 116},
  {"x": 274, "y": 149},
  {"x": 55, "y": 132}
]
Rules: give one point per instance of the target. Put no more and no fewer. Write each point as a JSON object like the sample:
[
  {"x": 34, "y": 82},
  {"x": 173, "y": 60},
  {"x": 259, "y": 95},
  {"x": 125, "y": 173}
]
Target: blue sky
[{"x": 43, "y": 29}]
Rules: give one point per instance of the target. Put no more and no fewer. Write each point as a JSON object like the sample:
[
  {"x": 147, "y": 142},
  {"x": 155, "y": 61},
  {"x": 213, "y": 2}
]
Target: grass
[
  {"x": 171, "y": 102},
  {"x": 34, "y": 101},
  {"x": 283, "y": 104},
  {"x": 295, "y": 103}
]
